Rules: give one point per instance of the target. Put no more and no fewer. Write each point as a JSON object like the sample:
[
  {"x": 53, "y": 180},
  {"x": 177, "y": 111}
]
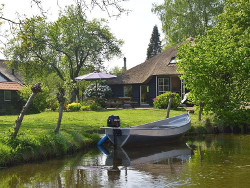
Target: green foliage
[
  {"x": 62, "y": 49},
  {"x": 216, "y": 66},
  {"x": 5, "y": 153},
  {"x": 95, "y": 106},
  {"x": 162, "y": 100},
  {"x": 27, "y": 146},
  {"x": 154, "y": 47},
  {"x": 40, "y": 101},
  {"x": 182, "y": 19},
  {"x": 85, "y": 108},
  {"x": 53, "y": 104},
  {"x": 74, "y": 107},
  {"x": 117, "y": 71}
]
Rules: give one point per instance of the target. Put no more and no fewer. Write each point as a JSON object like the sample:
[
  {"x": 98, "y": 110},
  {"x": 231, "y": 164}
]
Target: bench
[{"x": 190, "y": 109}]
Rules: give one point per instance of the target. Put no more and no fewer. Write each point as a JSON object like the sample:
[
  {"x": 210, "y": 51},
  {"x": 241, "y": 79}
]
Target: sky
[{"x": 134, "y": 29}]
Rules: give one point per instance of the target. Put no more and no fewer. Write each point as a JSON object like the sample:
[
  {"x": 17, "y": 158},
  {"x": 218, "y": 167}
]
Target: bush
[
  {"x": 74, "y": 107},
  {"x": 40, "y": 101},
  {"x": 161, "y": 101},
  {"x": 95, "y": 106},
  {"x": 53, "y": 104},
  {"x": 100, "y": 93},
  {"x": 85, "y": 108}
]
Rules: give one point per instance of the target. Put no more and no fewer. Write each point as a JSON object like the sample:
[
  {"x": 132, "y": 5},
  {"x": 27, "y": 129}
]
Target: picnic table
[{"x": 122, "y": 102}]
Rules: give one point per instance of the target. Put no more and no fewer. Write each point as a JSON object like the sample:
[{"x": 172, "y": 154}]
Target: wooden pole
[
  {"x": 201, "y": 109},
  {"x": 171, "y": 96}
]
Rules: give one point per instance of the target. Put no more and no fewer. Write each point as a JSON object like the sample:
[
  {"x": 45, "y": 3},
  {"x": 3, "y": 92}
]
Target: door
[{"x": 144, "y": 94}]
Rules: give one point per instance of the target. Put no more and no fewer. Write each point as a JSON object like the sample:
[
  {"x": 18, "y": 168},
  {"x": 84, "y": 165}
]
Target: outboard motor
[{"x": 113, "y": 121}]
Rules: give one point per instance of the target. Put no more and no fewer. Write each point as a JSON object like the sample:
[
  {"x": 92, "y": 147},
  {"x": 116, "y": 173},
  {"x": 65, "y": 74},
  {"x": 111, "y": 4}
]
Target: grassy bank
[{"x": 37, "y": 140}]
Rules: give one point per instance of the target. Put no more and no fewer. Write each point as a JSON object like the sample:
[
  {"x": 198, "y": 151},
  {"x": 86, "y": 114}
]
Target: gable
[
  {"x": 2, "y": 78},
  {"x": 158, "y": 65},
  {"x": 8, "y": 75}
]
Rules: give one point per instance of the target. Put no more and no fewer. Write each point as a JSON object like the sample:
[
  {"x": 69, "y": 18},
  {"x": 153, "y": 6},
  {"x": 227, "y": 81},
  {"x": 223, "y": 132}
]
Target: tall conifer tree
[{"x": 154, "y": 46}]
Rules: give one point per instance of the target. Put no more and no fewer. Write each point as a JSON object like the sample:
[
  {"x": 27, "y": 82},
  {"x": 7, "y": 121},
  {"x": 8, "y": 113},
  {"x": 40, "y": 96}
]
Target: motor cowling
[{"x": 113, "y": 121}]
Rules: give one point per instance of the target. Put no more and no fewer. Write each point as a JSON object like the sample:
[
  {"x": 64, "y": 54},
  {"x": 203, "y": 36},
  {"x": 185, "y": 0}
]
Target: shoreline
[
  {"x": 39, "y": 154},
  {"x": 38, "y": 142}
]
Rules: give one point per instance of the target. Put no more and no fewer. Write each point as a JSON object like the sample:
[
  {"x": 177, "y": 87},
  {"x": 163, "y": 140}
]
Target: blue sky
[{"x": 134, "y": 29}]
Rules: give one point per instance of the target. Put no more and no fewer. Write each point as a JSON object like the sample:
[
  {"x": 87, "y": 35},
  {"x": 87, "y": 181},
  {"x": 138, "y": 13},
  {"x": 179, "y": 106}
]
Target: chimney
[
  {"x": 13, "y": 71},
  {"x": 125, "y": 64}
]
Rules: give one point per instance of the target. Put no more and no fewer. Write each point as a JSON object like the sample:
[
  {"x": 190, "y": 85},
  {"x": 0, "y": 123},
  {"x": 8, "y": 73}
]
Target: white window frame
[
  {"x": 7, "y": 99},
  {"x": 166, "y": 83}
]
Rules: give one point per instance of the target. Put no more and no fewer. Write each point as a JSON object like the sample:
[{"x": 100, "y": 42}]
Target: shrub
[
  {"x": 161, "y": 101},
  {"x": 85, "y": 108},
  {"x": 40, "y": 101},
  {"x": 95, "y": 106},
  {"x": 74, "y": 107},
  {"x": 53, "y": 104},
  {"x": 101, "y": 92}
]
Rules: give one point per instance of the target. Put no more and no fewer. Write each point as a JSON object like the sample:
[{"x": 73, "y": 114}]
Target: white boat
[{"x": 162, "y": 131}]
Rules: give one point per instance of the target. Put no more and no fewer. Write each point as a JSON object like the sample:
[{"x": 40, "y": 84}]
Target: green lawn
[{"x": 84, "y": 120}]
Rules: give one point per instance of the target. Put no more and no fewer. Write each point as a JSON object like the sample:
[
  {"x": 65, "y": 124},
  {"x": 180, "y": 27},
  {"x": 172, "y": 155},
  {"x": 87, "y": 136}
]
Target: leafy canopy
[
  {"x": 184, "y": 18},
  {"x": 57, "y": 52},
  {"x": 216, "y": 67}
]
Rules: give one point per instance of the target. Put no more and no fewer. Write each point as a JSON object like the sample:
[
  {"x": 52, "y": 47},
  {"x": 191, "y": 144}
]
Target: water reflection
[
  {"x": 214, "y": 161},
  {"x": 113, "y": 168},
  {"x": 154, "y": 161}
]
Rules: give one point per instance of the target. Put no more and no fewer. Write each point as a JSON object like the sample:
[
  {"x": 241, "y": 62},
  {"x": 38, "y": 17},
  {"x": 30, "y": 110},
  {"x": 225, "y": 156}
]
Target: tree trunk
[
  {"x": 201, "y": 109},
  {"x": 36, "y": 88},
  {"x": 61, "y": 100},
  {"x": 169, "y": 104},
  {"x": 74, "y": 95}
]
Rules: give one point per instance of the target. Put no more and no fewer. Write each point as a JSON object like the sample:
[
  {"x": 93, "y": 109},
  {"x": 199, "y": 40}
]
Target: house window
[
  {"x": 128, "y": 91},
  {"x": 173, "y": 60},
  {"x": 163, "y": 85},
  {"x": 7, "y": 95}
]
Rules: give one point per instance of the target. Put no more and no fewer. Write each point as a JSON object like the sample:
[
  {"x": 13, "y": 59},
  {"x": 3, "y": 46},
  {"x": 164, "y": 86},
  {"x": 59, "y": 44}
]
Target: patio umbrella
[{"x": 95, "y": 76}]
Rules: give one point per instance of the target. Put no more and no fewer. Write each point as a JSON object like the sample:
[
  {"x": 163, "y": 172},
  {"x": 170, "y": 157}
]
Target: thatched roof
[
  {"x": 7, "y": 73},
  {"x": 157, "y": 65}
]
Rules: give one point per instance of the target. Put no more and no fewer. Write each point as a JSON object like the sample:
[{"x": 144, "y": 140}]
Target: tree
[
  {"x": 62, "y": 48},
  {"x": 116, "y": 70},
  {"x": 216, "y": 67},
  {"x": 184, "y": 18},
  {"x": 36, "y": 88},
  {"x": 154, "y": 46}
]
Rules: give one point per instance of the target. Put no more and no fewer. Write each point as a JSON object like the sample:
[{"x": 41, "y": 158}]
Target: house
[
  {"x": 147, "y": 80},
  {"x": 10, "y": 83}
]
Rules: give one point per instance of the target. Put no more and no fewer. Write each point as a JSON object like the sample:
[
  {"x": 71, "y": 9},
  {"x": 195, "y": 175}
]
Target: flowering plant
[{"x": 101, "y": 91}]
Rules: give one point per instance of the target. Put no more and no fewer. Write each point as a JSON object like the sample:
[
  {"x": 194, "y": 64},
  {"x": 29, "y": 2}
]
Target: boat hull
[
  {"x": 149, "y": 134},
  {"x": 138, "y": 140}
]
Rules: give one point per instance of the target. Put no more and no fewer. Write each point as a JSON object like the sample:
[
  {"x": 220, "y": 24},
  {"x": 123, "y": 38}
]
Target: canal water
[{"x": 210, "y": 161}]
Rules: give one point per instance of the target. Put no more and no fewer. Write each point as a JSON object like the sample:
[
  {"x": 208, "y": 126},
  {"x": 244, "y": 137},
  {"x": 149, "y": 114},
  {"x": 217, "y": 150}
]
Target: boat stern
[{"x": 118, "y": 136}]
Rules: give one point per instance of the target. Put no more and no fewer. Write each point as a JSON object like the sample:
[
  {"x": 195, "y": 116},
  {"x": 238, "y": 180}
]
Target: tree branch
[{"x": 11, "y": 21}]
